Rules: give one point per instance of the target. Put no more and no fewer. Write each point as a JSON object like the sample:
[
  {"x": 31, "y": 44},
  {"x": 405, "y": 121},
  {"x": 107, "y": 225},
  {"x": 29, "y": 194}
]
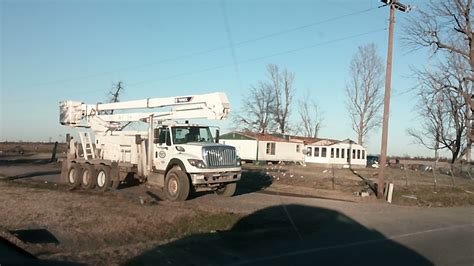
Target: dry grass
[{"x": 411, "y": 187}]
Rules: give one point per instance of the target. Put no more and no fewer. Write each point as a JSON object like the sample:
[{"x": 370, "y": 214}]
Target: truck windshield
[{"x": 182, "y": 135}]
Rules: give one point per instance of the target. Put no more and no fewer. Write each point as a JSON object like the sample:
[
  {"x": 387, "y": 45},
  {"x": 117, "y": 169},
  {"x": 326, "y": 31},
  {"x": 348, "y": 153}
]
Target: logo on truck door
[{"x": 162, "y": 154}]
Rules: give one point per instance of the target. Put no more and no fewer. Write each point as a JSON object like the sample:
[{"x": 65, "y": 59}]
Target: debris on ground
[
  {"x": 410, "y": 197},
  {"x": 363, "y": 194}
]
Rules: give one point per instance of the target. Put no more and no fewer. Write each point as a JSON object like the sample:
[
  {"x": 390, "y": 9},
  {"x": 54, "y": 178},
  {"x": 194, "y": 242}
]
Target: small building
[
  {"x": 328, "y": 152},
  {"x": 265, "y": 147},
  {"x": 276, "y": 147}
]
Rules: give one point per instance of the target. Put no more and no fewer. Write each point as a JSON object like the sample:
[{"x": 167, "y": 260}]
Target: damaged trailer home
[
  {"x": 276, "y": 147},
  {"x": 265, "y": 147}
]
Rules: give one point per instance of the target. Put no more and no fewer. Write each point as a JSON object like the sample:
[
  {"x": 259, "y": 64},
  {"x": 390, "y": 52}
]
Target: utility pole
[{"x": 393, "y": 4}]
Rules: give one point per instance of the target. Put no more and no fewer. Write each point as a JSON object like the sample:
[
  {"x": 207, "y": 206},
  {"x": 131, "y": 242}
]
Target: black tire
[
  {"x": 103, "y": 178},
  {"x": 176, "y": 185},
  {"x": 74, "y": 175},
  {"x": 228, "y": 190},
  {"x": 115, "y": 184},
  {"x": 88, "y": 176}
]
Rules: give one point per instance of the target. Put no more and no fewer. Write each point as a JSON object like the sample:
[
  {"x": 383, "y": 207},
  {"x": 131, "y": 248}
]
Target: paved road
[{"x": 325, "y": 231}]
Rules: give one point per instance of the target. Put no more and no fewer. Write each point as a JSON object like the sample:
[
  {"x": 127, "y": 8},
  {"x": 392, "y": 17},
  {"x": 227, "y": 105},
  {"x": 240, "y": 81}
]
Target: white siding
[
  {"x": 246, "y": 149},
  {"x": 317, "y": 158},
  {"x": 337, "y": 154},
  {"x": 284, "y": 151}
]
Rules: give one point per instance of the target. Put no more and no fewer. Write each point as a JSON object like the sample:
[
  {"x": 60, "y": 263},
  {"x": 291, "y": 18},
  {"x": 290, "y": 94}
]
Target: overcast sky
[{"x": 77, "y": 50}]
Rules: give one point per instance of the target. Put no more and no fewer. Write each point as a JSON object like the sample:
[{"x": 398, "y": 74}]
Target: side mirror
[
  {"x": 168, "y": 139},
  {"x": 156, "y": 135},
  {"x": 217, "y": 135}
]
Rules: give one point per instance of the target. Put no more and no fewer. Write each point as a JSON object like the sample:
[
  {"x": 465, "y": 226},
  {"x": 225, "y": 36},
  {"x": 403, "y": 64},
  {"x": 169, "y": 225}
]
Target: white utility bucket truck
[{"x": 177, "y": 157}]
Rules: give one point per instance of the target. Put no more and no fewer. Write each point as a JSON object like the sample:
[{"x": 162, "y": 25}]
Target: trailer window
[
  {"x": 271, "y": 148},
  {"x": 323, "y": 152},
  {"x": 316, "y": 151}
]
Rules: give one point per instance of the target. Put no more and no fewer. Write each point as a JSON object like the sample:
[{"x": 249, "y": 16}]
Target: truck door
[{"x": 162, "y": 148}]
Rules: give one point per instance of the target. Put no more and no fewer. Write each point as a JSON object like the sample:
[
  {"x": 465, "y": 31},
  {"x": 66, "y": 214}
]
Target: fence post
[
  {"x": 53, "y": 153},
  {"x": 435, "y": 182},
  {"x": 333, "y": 181},
  {"x": 406, "y": 176},
  {"x": 452, "y": 174}
]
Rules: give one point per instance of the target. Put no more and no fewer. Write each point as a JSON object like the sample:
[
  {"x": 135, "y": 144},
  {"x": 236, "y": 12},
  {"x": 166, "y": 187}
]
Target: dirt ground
[
  {"x": 411, "y": 187},
  {"x": 99, "y": 228},
  {"x": 117, "y": 226}
]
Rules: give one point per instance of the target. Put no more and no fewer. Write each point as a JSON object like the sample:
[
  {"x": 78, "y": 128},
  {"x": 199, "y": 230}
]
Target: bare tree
[
  {"x": 256, "y": 111},
  {"x": 447, "y": 26},
  {"x": 282, "y": 84},
  {"x": 442, "y": 124},
  {"x": 310, "y": 117},
  {"x": 432, "y": 116},
  {"x": 114, "y": 94},
  {"x": 363, "y": 91},
  {"x": 442, "y": 111}
]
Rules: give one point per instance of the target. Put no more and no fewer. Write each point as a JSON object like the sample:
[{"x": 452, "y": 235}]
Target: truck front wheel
[
  {"x": 176, "y": 185},
  {"x": 228, "y": 190}
]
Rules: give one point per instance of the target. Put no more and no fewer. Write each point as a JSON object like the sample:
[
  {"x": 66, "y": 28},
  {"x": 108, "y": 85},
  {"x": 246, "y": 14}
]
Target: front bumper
[{"x": 215, "y": 178}]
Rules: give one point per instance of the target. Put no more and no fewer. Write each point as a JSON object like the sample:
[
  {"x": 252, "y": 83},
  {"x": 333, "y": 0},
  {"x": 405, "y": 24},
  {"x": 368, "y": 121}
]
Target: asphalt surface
[{"x": 336, "y": 232}]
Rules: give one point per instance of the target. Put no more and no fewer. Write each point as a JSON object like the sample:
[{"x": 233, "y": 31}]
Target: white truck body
[{"x": 165, "y": 146}]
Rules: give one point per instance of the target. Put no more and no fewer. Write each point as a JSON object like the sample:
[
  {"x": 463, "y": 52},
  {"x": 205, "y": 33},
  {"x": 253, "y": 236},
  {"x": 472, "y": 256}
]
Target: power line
[
  {"x": 206, "y": 51},
  {"x": 231, "y": 43},
  {"x": 262, "y": 57},
  {"x": 304, "y": 26},
  {"x": 288, "y": 51}
]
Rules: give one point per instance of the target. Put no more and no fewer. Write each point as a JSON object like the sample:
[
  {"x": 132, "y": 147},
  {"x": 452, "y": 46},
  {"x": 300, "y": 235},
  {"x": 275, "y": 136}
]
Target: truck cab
[{"x": 193, "y": 149}]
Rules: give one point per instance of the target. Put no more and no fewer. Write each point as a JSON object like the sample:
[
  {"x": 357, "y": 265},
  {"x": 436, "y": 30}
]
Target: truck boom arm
[{"x": 214, "y": 106}]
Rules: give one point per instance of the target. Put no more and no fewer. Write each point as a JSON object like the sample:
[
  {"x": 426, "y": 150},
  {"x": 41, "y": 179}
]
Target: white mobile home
[
  {"x": 330, "y": 152},
  {"x": 264, "y": 147}
]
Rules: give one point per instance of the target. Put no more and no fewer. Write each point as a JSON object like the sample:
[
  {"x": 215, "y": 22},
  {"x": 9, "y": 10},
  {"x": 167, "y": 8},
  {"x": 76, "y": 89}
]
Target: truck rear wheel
[
  {"x": 176, "y": 185},
  {"x": 74, "y": 175},
  {"x": 88, "y": 176},
  {"x": 228, "y": 190},
  {"x": 103, "y": 178}
]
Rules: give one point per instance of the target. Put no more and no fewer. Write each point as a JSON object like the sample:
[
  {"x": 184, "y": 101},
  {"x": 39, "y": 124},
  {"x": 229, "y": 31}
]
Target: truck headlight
[
  {"x": 197, "y": 163},
  {"x": 239, "y": 163}
]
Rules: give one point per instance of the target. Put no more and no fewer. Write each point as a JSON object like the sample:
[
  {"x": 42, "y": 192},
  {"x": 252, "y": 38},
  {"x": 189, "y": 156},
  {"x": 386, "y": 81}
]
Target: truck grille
[{"x": 220, "y": 156}]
